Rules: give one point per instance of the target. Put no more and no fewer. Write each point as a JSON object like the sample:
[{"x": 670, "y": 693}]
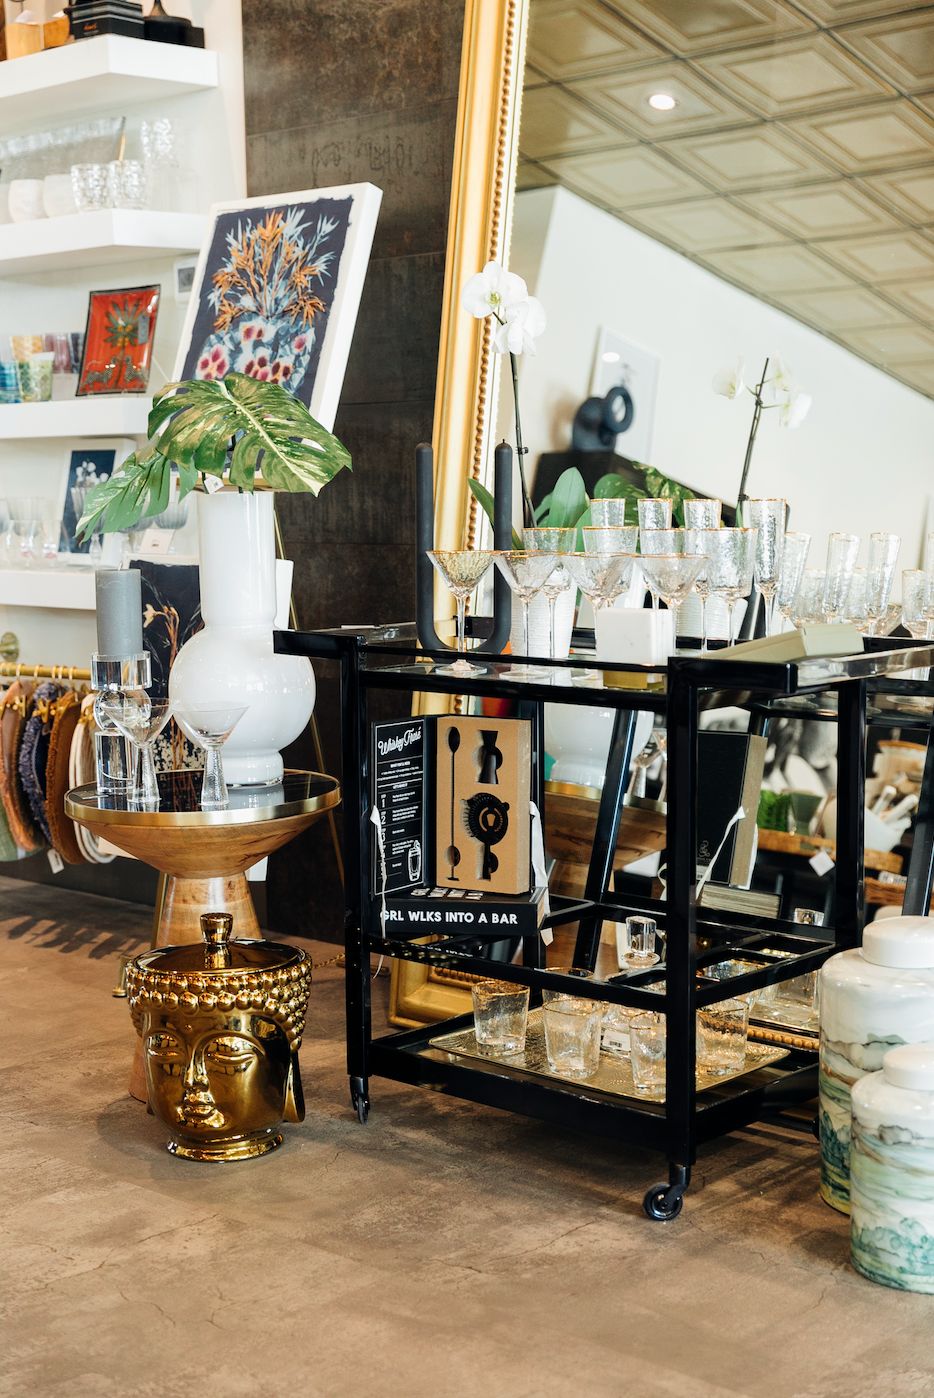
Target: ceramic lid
[
  {"x": 905, "y": 942},
  {"x": 911, "y": 1066},
  {"x": 220, "y": 952}
]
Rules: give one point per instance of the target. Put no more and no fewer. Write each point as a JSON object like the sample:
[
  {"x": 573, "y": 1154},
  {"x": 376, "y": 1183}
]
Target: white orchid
[
  {"x": 795, "y": 409},
  {"x": 783, "y": 378},
  {"x": 522, "y": 323},
  {"x": 505, "y": 296},
  {"x": 729, "y": 380}
]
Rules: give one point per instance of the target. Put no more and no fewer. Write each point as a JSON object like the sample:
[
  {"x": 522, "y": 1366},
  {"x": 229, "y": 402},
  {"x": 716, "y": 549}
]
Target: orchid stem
[
  {"x": 527, "y": 512},
  {"x": 754, "y": 428}
]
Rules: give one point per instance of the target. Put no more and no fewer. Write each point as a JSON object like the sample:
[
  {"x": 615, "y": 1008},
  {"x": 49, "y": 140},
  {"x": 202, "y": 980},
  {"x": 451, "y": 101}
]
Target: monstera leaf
[{"x": 235, "y": 430}]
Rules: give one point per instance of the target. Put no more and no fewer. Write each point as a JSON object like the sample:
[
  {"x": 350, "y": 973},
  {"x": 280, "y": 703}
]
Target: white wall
[{"x": 861, "y": 461}]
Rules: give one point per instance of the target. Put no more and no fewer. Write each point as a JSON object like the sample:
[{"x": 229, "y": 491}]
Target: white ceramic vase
[{"x": 231, "y": 661}]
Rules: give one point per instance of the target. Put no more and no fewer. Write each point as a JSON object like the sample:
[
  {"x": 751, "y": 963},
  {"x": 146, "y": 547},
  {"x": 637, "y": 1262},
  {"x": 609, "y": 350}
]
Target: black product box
[
  {"x": 88, "y": 18},
  {"x": 442, "y": 911}
]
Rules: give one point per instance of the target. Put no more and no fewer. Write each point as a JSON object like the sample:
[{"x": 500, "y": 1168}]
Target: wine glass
[
  {"x": 601, "y": 577},
  {"x": 209, "y": 726},
  {"x": 883, "y": 556},
  {"x": 701, "y": 586},
  {"x": 461, "y": 570},
  {"x": 794, "y": 557},
  {"x": 661, "y": 540},
  {"x": 842, "y": 550},
  {"x": 601, "y": 538},
  {"x": 552, "y": 539},
  {"x": 701, "y": 514},
  {"x": 672, "y": 576},
  {"x": 526, "y": 573},
  {"x": 142, "y": 725},
  {"x": 768, "y": 517},
  {"x": 731, "y": 557},
  {"x": 807, "y": 609}
]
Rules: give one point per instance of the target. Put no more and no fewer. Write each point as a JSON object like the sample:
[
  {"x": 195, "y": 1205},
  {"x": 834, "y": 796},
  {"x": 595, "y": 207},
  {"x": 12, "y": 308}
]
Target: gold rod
[{"x": 19, "y": 670}]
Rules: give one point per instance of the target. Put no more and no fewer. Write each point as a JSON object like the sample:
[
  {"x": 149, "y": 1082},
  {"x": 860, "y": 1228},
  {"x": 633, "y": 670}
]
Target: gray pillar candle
[{"x": 119, "y": 611}]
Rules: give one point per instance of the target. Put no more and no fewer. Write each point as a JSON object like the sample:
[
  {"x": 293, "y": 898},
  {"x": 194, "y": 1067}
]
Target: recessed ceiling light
[
  {"x": 611, "y": 357},
  {"x": 662, "y": 102}
]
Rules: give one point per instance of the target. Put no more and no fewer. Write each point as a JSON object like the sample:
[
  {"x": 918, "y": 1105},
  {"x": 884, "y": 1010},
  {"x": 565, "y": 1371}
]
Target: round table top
[{"x": 299, "y": 793}]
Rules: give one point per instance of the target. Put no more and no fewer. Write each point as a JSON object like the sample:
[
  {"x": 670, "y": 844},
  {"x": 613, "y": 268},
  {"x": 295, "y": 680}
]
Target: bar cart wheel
[
  {"x": 359, "y": 1100},
  {"x": 665, "y": 1201}
]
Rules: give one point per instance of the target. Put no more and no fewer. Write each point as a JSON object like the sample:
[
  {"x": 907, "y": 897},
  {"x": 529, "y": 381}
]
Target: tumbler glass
[
  {"x": 721, "y": 1036},
  {"x": 90, "y": 184},
  {"x": 126, "y": 184},
  {"x": 572, "y": 1035},
  {"x": 500, "y": 1014},
  {"x": 648, "y": 1038}
]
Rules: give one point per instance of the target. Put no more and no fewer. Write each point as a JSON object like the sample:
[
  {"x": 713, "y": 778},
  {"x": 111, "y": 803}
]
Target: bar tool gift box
[{"x": 482, "y": 815}]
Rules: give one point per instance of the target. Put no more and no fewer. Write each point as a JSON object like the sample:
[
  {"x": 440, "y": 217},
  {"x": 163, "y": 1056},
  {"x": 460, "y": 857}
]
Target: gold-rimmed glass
[
  {"x": 601, "y": 577},
  {"x": 659, "y": 541},
  {"x": 794, "y": 557},
  {"x": 526, "y": 573},
  {"x": 731, "y": 555},
  {"x": 768, "y": 517},
  {"x": 672, "y": 576},
  {"x": 842, "y": 551},
  {"x": 702, "y": 514},
  {"x": 461, "y": 570},
  {"x": 547, "y": 539},
  {"x": 601, "y": 538},
  {"x": 880, "y": 571},
  {"x": 654, "y": 514}
]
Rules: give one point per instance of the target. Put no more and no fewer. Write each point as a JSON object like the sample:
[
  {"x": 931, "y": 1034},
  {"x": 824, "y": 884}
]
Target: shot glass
[
  {"x": 500, "y": 1015},
  {"x": 572, "y": 1035},
  {"x": 648, "y": 1036},
  {"x": 641, "y": 932},
  {"x": 721, "y": 1036}
]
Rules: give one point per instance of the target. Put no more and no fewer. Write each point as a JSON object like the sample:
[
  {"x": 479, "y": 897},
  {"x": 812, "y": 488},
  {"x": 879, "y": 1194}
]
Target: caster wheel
[
  {"x": 815, "y": 1128},
  {"x": 663, "y": 1202},
  {"x": 363, "y": 1109}
]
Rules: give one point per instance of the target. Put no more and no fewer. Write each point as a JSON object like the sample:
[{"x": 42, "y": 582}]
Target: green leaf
[
  {"x": 488, "y": 505},
  {"x": 568, "y": 501},
  {"x": 541, "y": 510}
]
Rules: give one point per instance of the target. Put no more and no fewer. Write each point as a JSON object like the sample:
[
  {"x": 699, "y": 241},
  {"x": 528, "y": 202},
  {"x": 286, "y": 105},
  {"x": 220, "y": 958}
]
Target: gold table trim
[{"x": 92, "y": 814}]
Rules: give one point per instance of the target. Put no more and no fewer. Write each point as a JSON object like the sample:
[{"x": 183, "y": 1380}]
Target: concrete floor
[{"x": 443, "y": 1249}]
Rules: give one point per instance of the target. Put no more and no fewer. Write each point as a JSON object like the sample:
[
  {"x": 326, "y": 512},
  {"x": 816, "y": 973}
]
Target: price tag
[
  {"x": 212, "y": 483},
  {"x": 156, "y": 541},
  {"x": 56, "y": 861},
  {"x": 821, "y": 862},
  {"x": 616, "y": 1041}
]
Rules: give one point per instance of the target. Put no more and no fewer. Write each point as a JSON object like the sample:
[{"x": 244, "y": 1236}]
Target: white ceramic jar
[
  {"x": 871, "y": 999},
  {"x": 892, "y": 1171}
]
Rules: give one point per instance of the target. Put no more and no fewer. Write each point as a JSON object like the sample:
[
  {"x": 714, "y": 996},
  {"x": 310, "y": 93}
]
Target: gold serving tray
[{"x": 614, "y": 1075}]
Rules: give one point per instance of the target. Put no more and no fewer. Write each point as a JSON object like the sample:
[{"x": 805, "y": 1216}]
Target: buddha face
[{"x": 222, "y": 1082}]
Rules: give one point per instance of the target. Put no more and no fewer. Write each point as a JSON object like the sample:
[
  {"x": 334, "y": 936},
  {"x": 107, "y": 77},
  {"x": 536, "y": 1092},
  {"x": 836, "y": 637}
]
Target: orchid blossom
[{"x": 789, "y": 397}]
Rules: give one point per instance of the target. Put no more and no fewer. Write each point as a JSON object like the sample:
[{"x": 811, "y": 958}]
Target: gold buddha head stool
[{"x": 221, "y": 1024}]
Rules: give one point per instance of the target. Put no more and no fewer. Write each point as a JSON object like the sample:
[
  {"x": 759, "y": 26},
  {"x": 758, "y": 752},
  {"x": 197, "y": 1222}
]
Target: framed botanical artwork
[
  {"x": 118, "y": 341},
  {"x": 88, "y": 463},
  {"x": 276, "y": 291}
]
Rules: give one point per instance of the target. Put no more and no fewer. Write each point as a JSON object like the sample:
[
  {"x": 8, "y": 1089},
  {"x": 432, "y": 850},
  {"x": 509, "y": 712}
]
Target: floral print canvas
[{"x": 118, "y": 341}]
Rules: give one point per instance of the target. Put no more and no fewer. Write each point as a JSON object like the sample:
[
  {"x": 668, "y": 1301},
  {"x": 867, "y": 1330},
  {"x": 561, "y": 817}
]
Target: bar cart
[{"x": 390, "y": 658}]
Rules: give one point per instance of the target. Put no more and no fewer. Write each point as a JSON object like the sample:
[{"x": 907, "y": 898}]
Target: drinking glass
[
  {"x": 89, "y": 183},
  {"x": 578, "y": 972},
  {"x": 601, "y": 577},
  {"x": 928, "y": 569},
  {"x": 768, "y": 517},
  {"x": 526, "y": 573},
  {"x": 9, "y": 381},
  {"x": 701, "y": 585},
  {"x": 648, "y": 1039},
  {"x": 807, "y": 609},
  {"x": 126, "y": 184},
  {"x": 209, "y": 726},
  {"x": 142, "y": 724},
  {"x": 794, "y": 557},
  {"x": 641, "y": 932},
  {"x": 854, "y": 609},
  {"x": 551, "y": 539},
  {"x": 883, "y": 556},
  {"x": 731, "y": 557},
  {"x": 672, "y": 577},
  {"x": 721, "y": 1036},
  {"x": 842, "y": 550},
  {"x": 917, "y": 619},
  {"x": 661, "y": 540},
  {"x": 608, "y": 514},
  {"x": 702, "y": 514},
  {"x": 26, "y": 513},
  {"x": 599, "y": 538},
  {"x": 500, "y": 1015},
  {"x": 572, "y": 1035},
  {"x": 654, "y": 514},
  {"x": 461, "y": 571}
]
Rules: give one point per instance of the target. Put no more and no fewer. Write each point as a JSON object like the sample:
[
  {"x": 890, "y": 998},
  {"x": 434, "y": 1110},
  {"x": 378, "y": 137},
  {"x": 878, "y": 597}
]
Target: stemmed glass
[
  {"x": 731, "y": 557},
  {"x": 601, "y": 577},
  {"x": 461, "y": 570},
  {"x": 701, "y": 514},
  {"x": 794, "y": 557},
  {"x": 659, "y": 541},
  {"x": 654, "y": 514},
  {"x": 142, "y": 724},
  {"x": 608, "y": 514},
  {"x": 855, "y": 607},
  {"x": 551, "y": 539},
  {"x": 526, "y": 573},
  {"x": 599, "y": 538},
  {"x": 842, "y": 551},
  {"x": 917, "y": 614},
  {"x": 883, "y": 556},
  {"x": 701, "y": 586},
  {"x": 209, "y": 726},
  {"x": 25, "y": 523},
  {"x": 807, "y": 608},
  {"x": 768, "y": 517},
  {"x": 672, "y": 576}
]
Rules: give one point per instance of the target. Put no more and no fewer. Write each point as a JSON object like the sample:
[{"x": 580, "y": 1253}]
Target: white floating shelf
[
  {"x": 67, "y": 587},
  {"x": 92, "y": 74},
  {"x": 96, "y": 240},
  {"x": 116, "y": 416}
]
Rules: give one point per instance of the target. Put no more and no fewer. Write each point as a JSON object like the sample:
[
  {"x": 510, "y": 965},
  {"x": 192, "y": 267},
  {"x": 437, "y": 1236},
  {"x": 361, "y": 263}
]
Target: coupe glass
[
  {"x": 608, "y": 514},
  {"x": 883, "y": 556},
  {"x": 600, "y": 538},
  {"x": 209, "y": 726},
  {"x": 672, "y": 576},
  {"x": 601, "y": 577},
  {"x": 807, "y": 609},
  {"x": 552, "y": 540},
  {"x": 654, "y": 514},
  {"x": 794, "y": 557},
  {"x": 460, "y": 571},
  {"x": 731, "y": 555},
  {"x": 768, "y": 517},
  {"x": 702, "y": 514},
  {"x": 526, "y": 573},
  {"x": 701, "y": 585},
  {"x": 142, "y": 724},
  {"x": 917, "y": 617},
  {"x": 842, "y": 550}
]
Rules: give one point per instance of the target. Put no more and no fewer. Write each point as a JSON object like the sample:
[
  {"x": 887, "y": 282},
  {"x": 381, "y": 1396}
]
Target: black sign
[{"x": 399, "y": 752}]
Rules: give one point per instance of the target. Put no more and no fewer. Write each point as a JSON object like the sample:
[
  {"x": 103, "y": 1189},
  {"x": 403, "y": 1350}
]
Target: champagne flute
[
  {"x": 842, "y": 551},
  {"x": 701, "y": 585},
  {"x": 461, "y": 570},
  {"x": 768, "y": 517},
  {"x": 794, "y": 557},
  {"x": 808, "y": 606},
  {"x": 552, "y": 539},
  {"x": 608, "y": 514},
  {"x": 883, "y": 556},
  {"x": 600, "y": 538}
]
